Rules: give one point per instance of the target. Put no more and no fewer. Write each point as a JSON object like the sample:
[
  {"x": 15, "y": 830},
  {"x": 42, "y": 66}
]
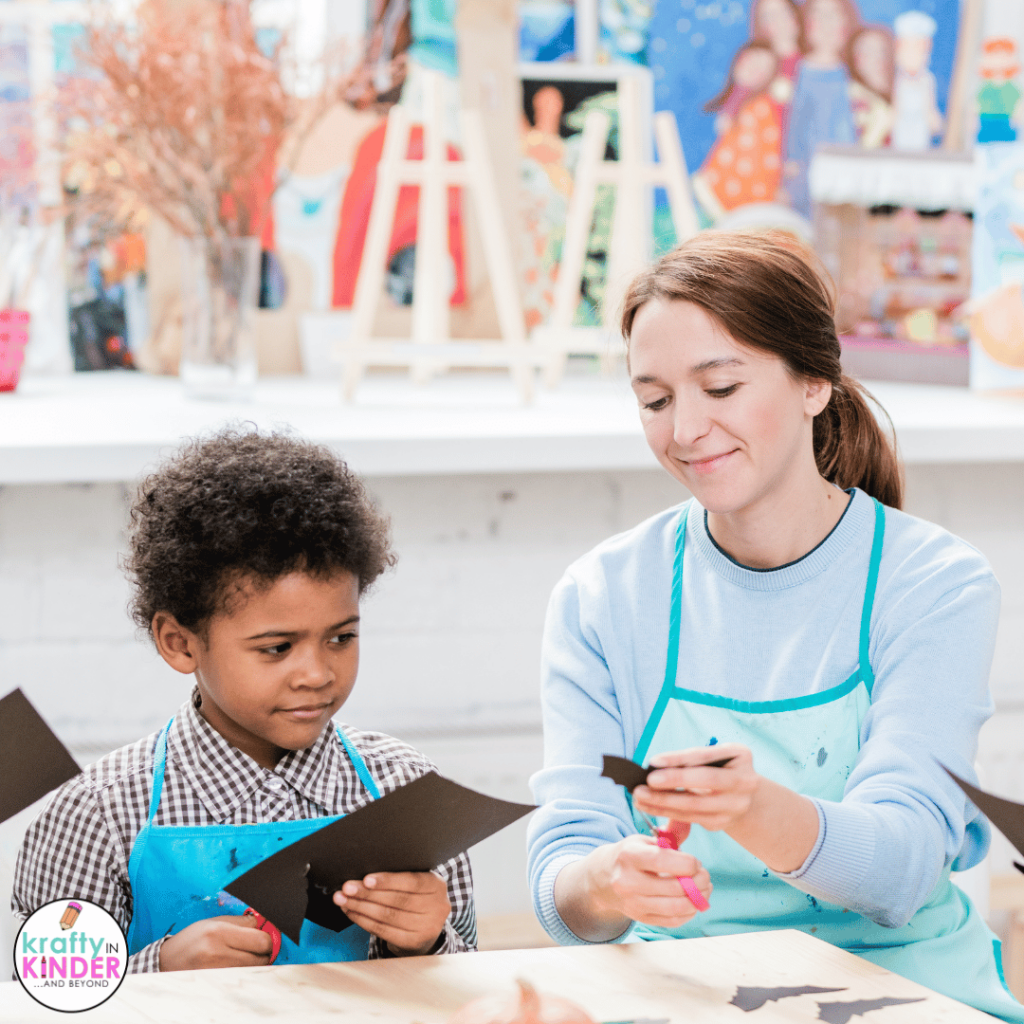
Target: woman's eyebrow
[
  {"x": 708, "y": 364},
  {"x": 714, "y": 364}
]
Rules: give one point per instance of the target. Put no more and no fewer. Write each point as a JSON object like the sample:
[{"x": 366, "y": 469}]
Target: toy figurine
[{"x": 915, "y": 108}]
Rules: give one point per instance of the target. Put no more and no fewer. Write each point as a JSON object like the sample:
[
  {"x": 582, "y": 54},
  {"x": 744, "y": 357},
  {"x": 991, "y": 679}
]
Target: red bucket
[{"x": 13, "y": 339}]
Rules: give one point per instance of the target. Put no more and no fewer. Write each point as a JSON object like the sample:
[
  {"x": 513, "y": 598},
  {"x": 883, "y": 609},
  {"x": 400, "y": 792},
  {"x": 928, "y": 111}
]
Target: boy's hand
[
  {"x": 406, "y": 909},
  {"x": 230, "y": 941}
]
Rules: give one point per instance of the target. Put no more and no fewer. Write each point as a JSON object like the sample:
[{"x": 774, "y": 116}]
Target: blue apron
[
  {"x": 178, "y": 873},
  {"x": 810, "y": 745}
]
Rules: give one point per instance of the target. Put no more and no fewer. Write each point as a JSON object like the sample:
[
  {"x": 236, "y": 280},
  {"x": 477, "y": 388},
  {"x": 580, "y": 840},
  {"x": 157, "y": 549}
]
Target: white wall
[{"x": 450, "y": 639}]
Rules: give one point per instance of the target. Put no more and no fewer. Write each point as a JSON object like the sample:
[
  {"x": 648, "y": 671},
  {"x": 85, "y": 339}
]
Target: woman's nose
[{"x": 689, "y": 424}]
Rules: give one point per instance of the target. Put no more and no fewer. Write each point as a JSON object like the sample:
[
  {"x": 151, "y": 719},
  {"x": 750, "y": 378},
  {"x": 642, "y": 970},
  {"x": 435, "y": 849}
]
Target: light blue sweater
[{"x": 771, "y": 635}]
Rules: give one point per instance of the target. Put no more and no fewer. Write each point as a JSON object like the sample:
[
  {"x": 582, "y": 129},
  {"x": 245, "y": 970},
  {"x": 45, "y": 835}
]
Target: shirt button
[{"x": 274, "y": 783}]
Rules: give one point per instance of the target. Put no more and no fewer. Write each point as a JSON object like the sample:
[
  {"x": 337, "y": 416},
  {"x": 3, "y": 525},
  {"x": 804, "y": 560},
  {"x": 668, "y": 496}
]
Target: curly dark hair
[{"x": 240, "y": 508}]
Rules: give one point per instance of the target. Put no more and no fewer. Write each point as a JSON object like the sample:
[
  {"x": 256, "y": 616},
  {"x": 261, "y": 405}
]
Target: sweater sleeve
[
  {"x": 577, "y": 810},
  {"x": 902, "y": 820}
]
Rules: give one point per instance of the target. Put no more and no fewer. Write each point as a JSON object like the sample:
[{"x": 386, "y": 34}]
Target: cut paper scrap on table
[
  {"x": 842, "y": 1013},
  {"x": 748, "y": 998},
  {"x": 1006, "y": 815},
  {"x": 413, "y": 828},
  {"x": 628, "y": 773},
  {"x": 32, "y": 760}
]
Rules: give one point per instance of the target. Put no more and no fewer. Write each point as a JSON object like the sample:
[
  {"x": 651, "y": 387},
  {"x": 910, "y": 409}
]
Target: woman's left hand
[{"x": 682, "y": 790}]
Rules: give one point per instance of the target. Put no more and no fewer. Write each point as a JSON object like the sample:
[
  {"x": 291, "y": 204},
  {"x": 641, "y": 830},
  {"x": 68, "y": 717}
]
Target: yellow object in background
[{"x": 922, "y": 326}]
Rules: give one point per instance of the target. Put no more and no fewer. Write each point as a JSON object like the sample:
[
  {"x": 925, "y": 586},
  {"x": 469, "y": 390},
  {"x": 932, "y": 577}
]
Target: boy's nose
[{"x": 313, "y": 671}]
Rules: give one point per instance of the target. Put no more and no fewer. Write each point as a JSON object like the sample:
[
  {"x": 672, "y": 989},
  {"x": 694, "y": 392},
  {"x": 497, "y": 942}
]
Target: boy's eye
[
  {"x": 343, "y": 638},
  {"x": 280, "y": 648}
]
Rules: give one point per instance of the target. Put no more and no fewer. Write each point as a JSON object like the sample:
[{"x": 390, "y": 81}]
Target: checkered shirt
[{"x": 79, "y": 846}]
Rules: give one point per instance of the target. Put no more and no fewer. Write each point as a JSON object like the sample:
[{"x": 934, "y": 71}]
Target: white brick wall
[{"x": 451, "y": 638}]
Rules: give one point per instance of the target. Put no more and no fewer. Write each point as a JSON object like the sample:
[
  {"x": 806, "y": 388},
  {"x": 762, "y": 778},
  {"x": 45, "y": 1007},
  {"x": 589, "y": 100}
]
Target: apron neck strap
[
  {"x": 159, "y": 763},
  {"x": 869, "y": 595},
  {"x": 358, "y": 763}
]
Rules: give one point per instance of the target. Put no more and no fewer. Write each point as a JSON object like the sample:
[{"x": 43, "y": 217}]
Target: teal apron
[
  {"x": 178, "y": 873},
  {"x": 810, "y": 745}
]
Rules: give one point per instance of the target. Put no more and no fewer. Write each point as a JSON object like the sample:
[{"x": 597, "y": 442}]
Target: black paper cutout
[
  {"x": 842, "y": 1013},
  {"x": 748, "y": 999},
  {"x": 1006, "y": 815},
  {"x": 32, "y": 760},
  {"x": 413, "y": 828},
  {"x": 628, "y": 773}
]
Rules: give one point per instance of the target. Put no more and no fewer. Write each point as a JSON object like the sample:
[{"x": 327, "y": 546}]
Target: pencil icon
[
  {"x": 44, "y": 967},
  {"x": 70, "y": 915}
]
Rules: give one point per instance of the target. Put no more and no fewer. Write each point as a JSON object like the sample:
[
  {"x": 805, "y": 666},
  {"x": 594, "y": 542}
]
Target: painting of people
[{"x": 758, "y": 85}]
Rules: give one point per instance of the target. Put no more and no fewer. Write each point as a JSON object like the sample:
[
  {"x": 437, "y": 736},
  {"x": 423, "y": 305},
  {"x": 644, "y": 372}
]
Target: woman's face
[
  {"x": 827, "y": 26},
  {"x": 755, "y": 69},
  {"x": 726, "y": 420},
  {"x": 778, "y": 25},
  {"x": 871, "y": 58}
]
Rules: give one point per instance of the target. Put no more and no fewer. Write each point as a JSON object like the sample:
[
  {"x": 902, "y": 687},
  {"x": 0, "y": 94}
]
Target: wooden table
[{"x": 690, "y": 981}]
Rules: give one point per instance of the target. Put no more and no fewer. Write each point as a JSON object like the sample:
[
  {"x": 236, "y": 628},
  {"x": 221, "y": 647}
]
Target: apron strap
[
  {"x": 358, "y": 763},
  {"x": 672, "y": 657},
  {"x": 866, "y": 673},
  {"x": 159, "y": 763}
]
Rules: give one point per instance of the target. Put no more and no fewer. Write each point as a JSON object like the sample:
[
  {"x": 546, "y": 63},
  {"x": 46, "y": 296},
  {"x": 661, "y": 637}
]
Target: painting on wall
[
  {"x": 556, "y": 100},
  {"x": 997, "y": 287},
  {"x": 757, "y": 85}
]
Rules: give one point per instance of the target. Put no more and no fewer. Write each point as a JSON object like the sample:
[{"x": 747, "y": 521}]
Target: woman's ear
[
  {"x": 817, "y": 395},
  {"x": 176, "y": 644}
]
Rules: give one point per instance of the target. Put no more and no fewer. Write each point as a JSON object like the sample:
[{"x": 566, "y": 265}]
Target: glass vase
[{"x": 220, "y": 291}]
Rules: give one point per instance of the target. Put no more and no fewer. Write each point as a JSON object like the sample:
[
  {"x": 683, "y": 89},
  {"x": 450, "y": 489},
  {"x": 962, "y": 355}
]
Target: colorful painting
[
  {"x": 547, "y": 30},
  {"x": 997, "y": 288},
  {"x": 757, "y": 85},
  {"x": 556, "y": 100}
]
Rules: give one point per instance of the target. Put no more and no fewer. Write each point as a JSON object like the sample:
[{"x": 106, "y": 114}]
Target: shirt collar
[{"x": 224, "y": 778}]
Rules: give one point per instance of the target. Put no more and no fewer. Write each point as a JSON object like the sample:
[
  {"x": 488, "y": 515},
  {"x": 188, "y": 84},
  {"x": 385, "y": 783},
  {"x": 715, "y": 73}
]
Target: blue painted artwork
[
  {"x": 997, "y": 268},
  {"x": 547, "y": 30},
  {"x": 757, "y": 85}
]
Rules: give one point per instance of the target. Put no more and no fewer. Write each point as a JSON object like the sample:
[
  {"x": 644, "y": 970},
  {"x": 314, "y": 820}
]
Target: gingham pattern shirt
[{"x": 79, "y": 846}]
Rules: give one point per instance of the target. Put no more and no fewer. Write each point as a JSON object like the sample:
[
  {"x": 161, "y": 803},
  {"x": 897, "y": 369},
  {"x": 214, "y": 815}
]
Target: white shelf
[{"x": 95, "y": 427}]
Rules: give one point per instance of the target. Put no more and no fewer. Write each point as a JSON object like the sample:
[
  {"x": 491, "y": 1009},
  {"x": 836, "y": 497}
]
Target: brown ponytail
[{"x": 769, "y": 291}]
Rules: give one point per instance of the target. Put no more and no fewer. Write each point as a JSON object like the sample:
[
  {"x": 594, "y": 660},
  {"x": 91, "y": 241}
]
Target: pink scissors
[{"x": 666, "y": 841}]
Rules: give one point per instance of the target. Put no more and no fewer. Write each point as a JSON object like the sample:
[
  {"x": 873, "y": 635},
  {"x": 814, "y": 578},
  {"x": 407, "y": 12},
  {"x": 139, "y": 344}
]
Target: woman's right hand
[
  {"x": 631, "y": 880},
  {"x": 228, "y": 941}
]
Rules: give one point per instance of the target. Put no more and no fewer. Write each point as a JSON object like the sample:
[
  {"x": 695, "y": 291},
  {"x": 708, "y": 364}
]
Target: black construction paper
[
  {"x": 842, "y": 1013},
  {"x": 1007, "y": 816},
  {"x": 748, "y": 998},
  {"x": 413, "y": 828},
  {"x": 32, "y": 760},
  {"x": 629, "y": 774}
]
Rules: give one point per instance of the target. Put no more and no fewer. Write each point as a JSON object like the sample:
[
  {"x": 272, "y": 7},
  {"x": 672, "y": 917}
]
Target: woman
[
  {"x": 821, "y": 110},
  {"x": 791, "y": 618}
]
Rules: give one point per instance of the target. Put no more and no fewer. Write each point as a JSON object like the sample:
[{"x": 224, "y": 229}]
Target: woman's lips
[{"x": 710, "y": 464}]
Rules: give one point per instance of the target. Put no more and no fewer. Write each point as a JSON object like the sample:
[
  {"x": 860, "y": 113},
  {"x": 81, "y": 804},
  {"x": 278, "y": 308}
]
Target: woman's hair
[
  {"x": 240, "y": 509},
  {"x": 717, "y": 102},
  {"x": 768, "y": 291}
]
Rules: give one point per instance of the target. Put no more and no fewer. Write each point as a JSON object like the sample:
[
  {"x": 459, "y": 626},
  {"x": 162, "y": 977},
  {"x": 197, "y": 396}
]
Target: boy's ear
[{"x": 176, "y": 644}]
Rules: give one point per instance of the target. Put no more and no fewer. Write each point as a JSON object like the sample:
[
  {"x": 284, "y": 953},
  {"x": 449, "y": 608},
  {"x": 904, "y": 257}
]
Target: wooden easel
[
  {"x": 431, "y": 347},
  {"x": 629, "y": 247}
]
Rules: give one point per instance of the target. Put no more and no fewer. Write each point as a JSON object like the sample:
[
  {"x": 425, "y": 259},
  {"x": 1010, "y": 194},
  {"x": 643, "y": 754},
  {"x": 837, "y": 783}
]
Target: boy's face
[{"x": 279, "y": 663}]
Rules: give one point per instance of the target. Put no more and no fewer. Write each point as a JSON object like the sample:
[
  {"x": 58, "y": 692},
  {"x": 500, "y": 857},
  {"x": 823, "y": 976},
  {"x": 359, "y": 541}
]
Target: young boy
[{"x": 248, "y": 554}]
